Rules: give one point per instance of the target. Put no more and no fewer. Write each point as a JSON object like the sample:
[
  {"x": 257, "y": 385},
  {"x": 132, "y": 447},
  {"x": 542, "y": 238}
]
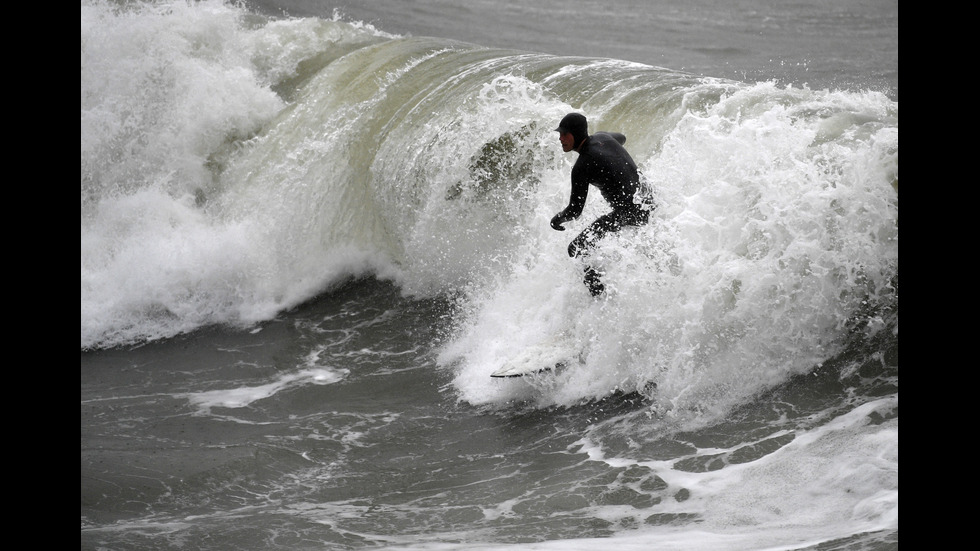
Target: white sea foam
[
  {"x": 766, "y": 242},
  {"x": 244, "y": 396}
]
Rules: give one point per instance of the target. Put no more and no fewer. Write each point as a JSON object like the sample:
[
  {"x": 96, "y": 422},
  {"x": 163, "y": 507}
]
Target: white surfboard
[{"x": 549, "y": 355}]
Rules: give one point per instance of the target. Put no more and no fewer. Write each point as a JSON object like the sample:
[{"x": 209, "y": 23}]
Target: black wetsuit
[{"x": 604, "y": 163}]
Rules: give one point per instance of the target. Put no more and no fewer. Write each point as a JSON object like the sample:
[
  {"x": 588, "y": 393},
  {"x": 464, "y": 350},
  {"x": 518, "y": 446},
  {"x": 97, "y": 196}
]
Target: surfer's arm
[{"x": 580, "y": 190}]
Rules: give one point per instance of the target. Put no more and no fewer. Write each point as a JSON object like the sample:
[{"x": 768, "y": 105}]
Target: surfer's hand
[{"x": 557, "y": 222}]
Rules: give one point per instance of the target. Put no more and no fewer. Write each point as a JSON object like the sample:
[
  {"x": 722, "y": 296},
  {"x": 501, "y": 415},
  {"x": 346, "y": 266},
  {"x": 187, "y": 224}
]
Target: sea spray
[{"x": 770, "y": 237}]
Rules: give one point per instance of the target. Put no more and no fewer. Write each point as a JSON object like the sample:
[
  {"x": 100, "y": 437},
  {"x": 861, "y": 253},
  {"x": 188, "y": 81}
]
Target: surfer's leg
[{"x": 586, "y": 241}]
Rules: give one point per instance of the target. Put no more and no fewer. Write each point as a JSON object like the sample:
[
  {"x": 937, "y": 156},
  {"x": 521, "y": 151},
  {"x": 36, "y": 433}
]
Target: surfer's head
[{"x": 577, "y": 126}]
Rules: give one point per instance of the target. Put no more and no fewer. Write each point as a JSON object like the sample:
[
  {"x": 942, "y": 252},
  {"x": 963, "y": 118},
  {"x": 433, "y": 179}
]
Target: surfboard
[
  {"x": 511, "y": 369},
  {"x": 550, "y": 355}
]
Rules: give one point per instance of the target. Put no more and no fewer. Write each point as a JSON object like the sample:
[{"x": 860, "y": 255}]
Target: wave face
[{"x": 234, "y": 167}]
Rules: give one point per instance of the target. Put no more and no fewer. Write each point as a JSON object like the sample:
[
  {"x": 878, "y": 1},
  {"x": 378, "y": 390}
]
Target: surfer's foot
[
  {"x": 597, "y": 289},
  {"x": 593, "y": 283}
]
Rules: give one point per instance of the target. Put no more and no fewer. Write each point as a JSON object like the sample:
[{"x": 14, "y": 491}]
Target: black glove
[{"x": 557, "y": 222}]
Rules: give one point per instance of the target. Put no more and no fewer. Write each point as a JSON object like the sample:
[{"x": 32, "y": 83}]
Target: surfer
[{"x": 604, "y": 163}]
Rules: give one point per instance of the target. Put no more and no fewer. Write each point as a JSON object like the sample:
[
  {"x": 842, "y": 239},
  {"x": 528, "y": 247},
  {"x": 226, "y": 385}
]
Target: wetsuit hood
[{"x": 576, "y": 125}]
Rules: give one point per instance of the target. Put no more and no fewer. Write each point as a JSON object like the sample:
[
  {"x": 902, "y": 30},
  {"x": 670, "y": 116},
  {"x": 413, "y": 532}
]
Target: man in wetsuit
[{"x": 604, "y": 163}]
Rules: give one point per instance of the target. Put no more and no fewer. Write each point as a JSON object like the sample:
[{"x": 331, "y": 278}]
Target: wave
[{"x": 235, "y": 166}]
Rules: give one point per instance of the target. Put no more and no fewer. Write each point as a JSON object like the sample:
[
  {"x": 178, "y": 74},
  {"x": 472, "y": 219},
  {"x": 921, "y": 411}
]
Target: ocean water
[{"x": 311, "y": 230}]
